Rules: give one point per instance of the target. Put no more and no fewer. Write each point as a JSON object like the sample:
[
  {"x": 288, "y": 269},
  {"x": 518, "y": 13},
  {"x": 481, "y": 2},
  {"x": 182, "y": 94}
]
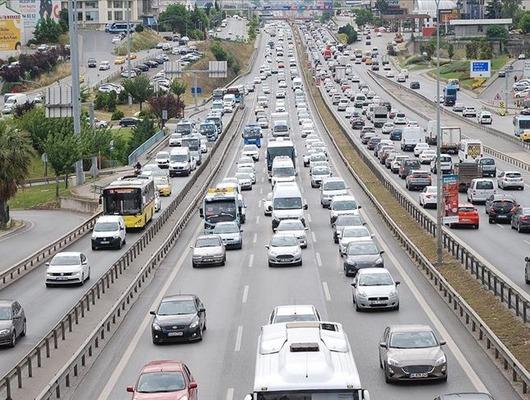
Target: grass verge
[
  {"x": 140, "y": 41},
  {"x": 510, "y": 329},
  {"x": 38, "y": 196},
  {"x": 60, "y": 71}
]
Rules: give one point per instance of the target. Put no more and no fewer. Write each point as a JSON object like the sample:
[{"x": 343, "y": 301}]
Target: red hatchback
[
  {"x": 164, "y": 380},
  {"x": 467, "y": 215}
]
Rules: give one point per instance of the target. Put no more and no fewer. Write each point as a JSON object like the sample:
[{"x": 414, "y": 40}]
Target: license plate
[
  {"x": 419, "y": 375},
  {"x": 104, "y": 242},
  {"x": 61, "y": 278},
  {"x": 379, "y": 302},
  {"x": 207, "y": 259},
  {"x": 175, "y": 333}
]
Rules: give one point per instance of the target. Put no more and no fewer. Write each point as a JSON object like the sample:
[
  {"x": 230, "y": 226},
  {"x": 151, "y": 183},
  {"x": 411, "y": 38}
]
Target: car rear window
[
  {"x": 513, "y": 175},
  {"x": 466, "y": 209},
  {"x": 484, "y": 185}
]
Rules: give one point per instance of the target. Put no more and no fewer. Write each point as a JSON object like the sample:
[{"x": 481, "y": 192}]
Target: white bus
[{"x": 305, "y": 361}]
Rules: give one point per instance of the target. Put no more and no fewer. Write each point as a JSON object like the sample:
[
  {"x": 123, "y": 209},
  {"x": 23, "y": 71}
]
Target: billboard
[
  {"x": 33, "y": 10},
  {"x": 10, "y": 29},
  {"x": 450, "y": 198}
]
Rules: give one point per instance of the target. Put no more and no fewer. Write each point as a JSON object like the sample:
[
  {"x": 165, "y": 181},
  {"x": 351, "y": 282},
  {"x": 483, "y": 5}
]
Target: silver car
[
  {"x": 375, "y": 288},
  {"x": 295, "y": 227},
  {"x": 318, "y": 174},
  {"x": 208, "y": 250},
  {"x": 350, "y": 234},
  {"x": 412, "y": 352},
  {"x": 331, "y": 187},
  {"x": 284, "y": 249},
  {"x": 12, "y": 322},
  {"x": 230, "y": 234}
]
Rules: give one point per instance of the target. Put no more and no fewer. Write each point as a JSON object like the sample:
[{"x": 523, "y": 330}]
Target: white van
[
  {"x": 480, "y": 189},
  {"x": 280, "y": 128},
  {"x": 297, "y": 83},
  {"x": 109, "y": 231},
  {"x": 282, "y": 170},
  {"x": 287, "y": 203},
  {"x": 410, "y": 137},
  {"x": 14, "y": 100},
  {"x": 180, "y": 162},
  {"x": 470, "y": 149}
]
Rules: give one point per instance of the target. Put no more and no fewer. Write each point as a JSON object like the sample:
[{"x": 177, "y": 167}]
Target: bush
[
  {"x": 105, "y": 101},
  {"x": 117, "y": 115},
  {"x": 414, "y": 60},
  {"x": 139, "y": 28}
]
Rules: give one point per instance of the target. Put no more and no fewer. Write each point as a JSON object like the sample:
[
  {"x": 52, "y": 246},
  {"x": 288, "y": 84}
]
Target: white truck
[
  {"x": 410, "y": 137},
  {"x": 451, "y": 136},
  {"x": 380, "y": 116}
]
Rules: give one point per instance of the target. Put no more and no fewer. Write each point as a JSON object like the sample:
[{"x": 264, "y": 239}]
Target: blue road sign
[
  {"x": 480, "y": 69},
  {"x": 196, "y": 90}
]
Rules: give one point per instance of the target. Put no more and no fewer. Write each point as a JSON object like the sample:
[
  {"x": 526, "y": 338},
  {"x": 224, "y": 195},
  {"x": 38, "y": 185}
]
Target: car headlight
[
  {"x": 4, "y": 331},
  {"x": 195, "y": 323},
  {"x": 392, "y": 362},
  {"x": 156, "y": 327},
  {"x": 440, "y": 361},
  {"x": 361, "y": 294},
  {"x": 379, "y": 262},
  {"x": 393, "y": 293}
]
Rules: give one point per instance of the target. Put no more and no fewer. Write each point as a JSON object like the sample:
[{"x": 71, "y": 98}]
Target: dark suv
[
  {"x": 500, "y": 207},
  {"x": 407, "y": 166}
]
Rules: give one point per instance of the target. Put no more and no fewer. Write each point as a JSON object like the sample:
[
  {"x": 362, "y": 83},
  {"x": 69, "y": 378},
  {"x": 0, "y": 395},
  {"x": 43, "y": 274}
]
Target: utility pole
[
  {"x": 76, "y": 91},
  {"x": 439, "y": 191},
  {"x": 129, "y": 45}
]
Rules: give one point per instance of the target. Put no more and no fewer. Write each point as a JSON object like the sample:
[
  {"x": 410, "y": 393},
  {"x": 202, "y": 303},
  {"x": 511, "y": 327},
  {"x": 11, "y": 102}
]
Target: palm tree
[
  {"x": 15, "y": 156},
  {"x": 178, "y": 89}
]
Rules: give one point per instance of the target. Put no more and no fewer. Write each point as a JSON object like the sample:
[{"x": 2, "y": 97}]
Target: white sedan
[
  {"x": 251, "y": 150},
  {"x": 67, "y": 268},
  {"x": 387, "y": 127},
  {"x": 428, "y": 197},
  {"x": 419, "y": 148},
  {"x": 294, "y": 227},
  {"x": 427, "y": 155},
  {"x": 389, "y": 74}
]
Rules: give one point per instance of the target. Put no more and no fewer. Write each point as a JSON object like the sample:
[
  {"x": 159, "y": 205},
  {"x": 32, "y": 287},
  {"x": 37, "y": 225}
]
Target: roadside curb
[{"x": 6, "y": 234}]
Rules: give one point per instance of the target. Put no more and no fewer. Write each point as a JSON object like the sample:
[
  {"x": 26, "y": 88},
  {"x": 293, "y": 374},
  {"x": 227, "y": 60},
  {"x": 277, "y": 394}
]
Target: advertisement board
[
  {"x": 450, "y": 198},
  {"x": 10, "y": 29},
  {"x": 33, "y": 10}
]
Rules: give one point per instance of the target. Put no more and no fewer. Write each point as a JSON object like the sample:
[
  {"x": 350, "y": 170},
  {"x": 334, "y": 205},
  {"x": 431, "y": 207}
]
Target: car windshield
[
  {"x": 283, "y": 240},
  {"x": 321, "y": 171},
  {"x": 334, "y": 185},
  {"x": 413, "y": 340},
  {"x": 487, "y": 161},
  {"x": 355, "y": 232},
  {"x": 177, "y": 307},
  {"x": 343, "y": 205},
  {"x": 60, "y": 259},
  {"x": 5, "y": 313},
  {"x": 283, "y": 171},
  {"x": 226, "y": 228},
  {"x": 362, "y": 249},
  {"x": 179, "y": 157},
  {"x": 295, "y": 225},
  {"x": 160, "y": 382},
  {"x": 207, "y": 242},
  {"x": 375, "y": 280},
  {"x": 287, "y": 203},
  {"x": 106, "y": 227}
]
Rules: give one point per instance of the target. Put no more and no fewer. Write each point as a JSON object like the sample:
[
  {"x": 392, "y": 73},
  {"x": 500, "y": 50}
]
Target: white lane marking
[
  {"x": 326, "y": 291},
  {"x": 308, "y": 217},
  {"x": 302, "y": 189},
  {"x": 230, "y": 394},
  {"x": 255, "y": 238},
  {"x": 239, "y": 337},
  {"x": 245, "y": 295},
  {"x": 129, "y": 351},
  {"x": 260, "y": 190},
  {"x": 259, "y": 204},
  {"x": 500, "y": 226},
  {"x": 451, "y": 344},
  {"x": 257, "y": 219},
  {"x": 319, "y": 260},
  {"x": 251, "y": 261},
  {"x": 526, "y": 241},
  {"x": 262, "y": 179},
  {"x": 314, "y": 237}
]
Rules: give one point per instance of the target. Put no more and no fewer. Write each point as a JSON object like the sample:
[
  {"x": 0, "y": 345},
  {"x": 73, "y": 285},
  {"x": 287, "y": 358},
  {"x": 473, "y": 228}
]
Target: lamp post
[{"x": 439, "y": 192}]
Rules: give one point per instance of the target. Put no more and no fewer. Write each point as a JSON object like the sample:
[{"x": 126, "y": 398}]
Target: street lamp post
[{"x": 439, "y": 192}]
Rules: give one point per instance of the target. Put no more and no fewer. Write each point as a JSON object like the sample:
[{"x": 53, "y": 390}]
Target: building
[
  {"x": 476, "y": 27},
  {"x": 448, "y": 10}
]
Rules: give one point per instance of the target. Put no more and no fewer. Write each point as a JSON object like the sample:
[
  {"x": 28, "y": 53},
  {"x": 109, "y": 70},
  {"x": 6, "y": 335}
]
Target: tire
[
  {"x": 48, "y": 285},
  {"x": 476, "y": 226},
  {"x": 357, "y": 308},
  {"x": 13, "y": 339},
  {"x": 519, "y": 228},
  {"x": 270, "y": 265},
  {"x": 387, "y": 377},
  {"x": 526, "y": 278},
  {"x": 82, "y": 280},
  {"x": 204, "y": 326},
  {"x": 88, "y": 277},
  {"x": 156, "y": 342},
  {"x": 491, "y": 221},
  {"x": 193, "y": 265},
  {"x": 396, "y": 308},
  {"x": 224, "y": 262}
]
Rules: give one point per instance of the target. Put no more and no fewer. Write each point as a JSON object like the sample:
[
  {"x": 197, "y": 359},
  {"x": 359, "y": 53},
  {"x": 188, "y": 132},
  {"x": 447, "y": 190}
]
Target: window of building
[
  {"x": 109, "y": 15},
  {"x": 92, "y": 16},
  {"x": 91, "y": 4},
  {"x": 118, "y": 15},
  {"x": 118, "y": 4}
]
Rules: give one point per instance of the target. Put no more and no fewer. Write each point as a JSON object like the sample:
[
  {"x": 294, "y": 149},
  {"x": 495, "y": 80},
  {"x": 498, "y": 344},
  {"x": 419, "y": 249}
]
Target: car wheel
[
  {"x": 526, "y": 277},
  {"x": 270, "y": 264},
  {"x": 24, "y": 329},
  {"x": 357, "y": 308},
  {"x": 396, "y": 308},
  {"x": 204, "y": 326},
  {"x": 94, "y": 248},
  {"x": 194, "y": 265},
  {"x": 224, "y": 261},
  {"x": 387, "y": 376},
  {"x": 476, "y": 226},
  {"x": 490, "y": 221},
  {"x": 82, "y": 279},
  {"x": 13, "y": 341}
]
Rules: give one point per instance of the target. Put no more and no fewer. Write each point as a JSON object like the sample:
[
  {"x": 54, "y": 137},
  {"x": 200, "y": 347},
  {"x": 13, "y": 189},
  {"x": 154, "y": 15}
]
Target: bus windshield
[
  {"x": 122, "y": 201},
  {"x": 220, "y": 211}
]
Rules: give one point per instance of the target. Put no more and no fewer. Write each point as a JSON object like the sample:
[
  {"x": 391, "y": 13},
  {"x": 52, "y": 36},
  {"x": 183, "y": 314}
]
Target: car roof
[
  {"x": 373, "y": 271},
  {"x": 162, "y": 365},
  {"x": 343, "y": 197},
  {"x": 174, "y": 297},
  {"x": 69, "y": 253},
  {"x": 295, "y": 309}
]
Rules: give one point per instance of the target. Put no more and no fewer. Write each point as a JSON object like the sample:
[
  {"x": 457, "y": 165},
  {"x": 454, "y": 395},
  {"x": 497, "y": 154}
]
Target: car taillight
[{"x": 525, "y": 218}]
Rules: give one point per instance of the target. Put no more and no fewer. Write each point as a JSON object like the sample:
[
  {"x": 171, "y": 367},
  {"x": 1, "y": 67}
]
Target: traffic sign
[
  {"x": 480, "y": 68},
  {"x": 497, "y": 97},
  {"x": 196, "y": 90}
]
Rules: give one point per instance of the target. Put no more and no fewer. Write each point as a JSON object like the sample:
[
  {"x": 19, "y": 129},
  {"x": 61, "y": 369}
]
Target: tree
[
  {"x": 47, "y": 31},
  {"x": 175, "y": 18},
  {"x": 350, "y": 33},
  {"x": 512, "y": 9},
  {"x": 363, "y": 17},
  {"x": 451, "y": 51},
  {"x": 471, "y": 51},
  {"x": 63, "y": 151},
  {"x": 493, "y": 9},
  {"x": 497, "y": 32},
  {"x": 63, "y": 19},
  {"x": 326, "y": 16},
  {"x": 381, "y": 6},
  {"x": 524, "y": 22},
  {"x": 140, "y": 133},
  {"x": 167, "y": 102},
  {"x": 178, "y": 89},
  {"x": 139, "y": 88},
  {"x": 15, "y": 156},
  {"x": 485, "y": 51}
]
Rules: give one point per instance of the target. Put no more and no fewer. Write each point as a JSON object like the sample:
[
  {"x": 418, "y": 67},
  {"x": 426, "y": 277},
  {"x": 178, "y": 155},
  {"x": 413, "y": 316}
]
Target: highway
[
  {"x": 239, "y": 297},
  {"x": 236, "y": 29},
  {"x": 491, "y": 240},
  {"x": 40, "y": 228}
]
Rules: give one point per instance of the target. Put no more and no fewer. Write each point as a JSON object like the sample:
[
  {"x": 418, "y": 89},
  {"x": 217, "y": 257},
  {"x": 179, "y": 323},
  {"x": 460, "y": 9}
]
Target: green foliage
[
  {"x": 524, "y": 22},
  {"x": 139, "y": 88},
  {"x": 167, "y": 102},
  {"x": 106, "y": 101},
  {"x": 139, "y": 28},
  {"x": 63, "y": 151},
  {"x": 47, "y": 31},
  {"x": 141, "y": 132},
  {"x": 63, "y": 19},
  {"x": 363, "y": 17},
  {"x": 221, "y": 54},
  {"x": 497, "y": 32},
  {"x": 253, "y": 26},
  {"x": 350, "y": 32},
  {"x": 177, "y": 18},
  {"x": 95, "y": 142},
  {"x": 117, "y": 115},
  {"x": 326, "y": 16},
  {"x": 471, "y": 51},
  {"x": 512, "y": 9},
  {"x": 485, "y": 51}
]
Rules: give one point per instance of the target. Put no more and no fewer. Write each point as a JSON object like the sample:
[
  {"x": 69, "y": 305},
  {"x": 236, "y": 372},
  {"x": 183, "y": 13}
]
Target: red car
[
  {"x": 467, "y": 215},
  {"x": 164, "y": 380}
]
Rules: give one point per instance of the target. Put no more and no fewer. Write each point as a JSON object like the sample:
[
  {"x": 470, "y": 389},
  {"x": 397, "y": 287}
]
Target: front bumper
[
  {"x": 179, "y": 172},
  {"x": 213, "y": 260},
  {"x": 63, "y": 279},
  {"x": 377, "y": 302},
  {"x": 182, "y": 334},
  {"x": 285, "y": 260},
  {"x": 5, "y": 339},
  {"x": 418, "y": 372}
]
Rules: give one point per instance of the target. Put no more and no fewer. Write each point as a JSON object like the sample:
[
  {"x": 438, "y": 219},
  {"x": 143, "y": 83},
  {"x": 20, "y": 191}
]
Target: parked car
[{"x": 128, "y": 121}]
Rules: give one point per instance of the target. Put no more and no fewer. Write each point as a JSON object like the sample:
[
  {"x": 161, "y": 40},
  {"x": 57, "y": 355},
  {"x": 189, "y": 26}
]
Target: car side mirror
[
  {"x": 442, "y": 343},
  {"x": 130, "y": 389},
  {"x": 382, "y": 252},
  {"x": 383, "y": 345},
  {"x": 306, "y": 206},
  {"x": 397, "y": 282},
  {"x": 372, "y": 235},
  {"x": 193, "y": 385},
  {"x": 202, "y": 309},
  {"x": 241, "y": 230},
  {"x": 201, "y": 212},
  {"x": 47, "y": 264},
  {"x": 359, "y": 207},
  {"x": 354, "y": 284},
  {"x": 267, "y": 246}
]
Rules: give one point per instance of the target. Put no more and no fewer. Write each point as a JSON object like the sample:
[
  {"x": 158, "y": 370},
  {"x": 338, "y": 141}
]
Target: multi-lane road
[{"x": 239, "y": 297}]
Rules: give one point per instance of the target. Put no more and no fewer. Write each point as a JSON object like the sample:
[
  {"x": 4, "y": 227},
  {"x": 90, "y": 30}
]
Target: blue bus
[{"x": 252, "y": 134}]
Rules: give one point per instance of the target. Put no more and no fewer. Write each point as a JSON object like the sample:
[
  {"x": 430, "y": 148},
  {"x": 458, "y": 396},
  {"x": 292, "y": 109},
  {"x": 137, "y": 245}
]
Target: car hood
[
  {"x": 160, "y": 396},
  {"x": 232, "y": 236},
  {"x": 106, "y": 234},
  {"x": 376, "y": 291},
  {"x": 207, "y": 251},
  {"x": 363, "y": 259},
  {"x": 425, "y": 356},
  {"x": 284, "y": 214},
  {"x": 291, "y": 250},
  {"x": 298, "y": 234},
  {"x": 63, "y": 268},
  {"x": 168, "y": 320},
  {"x": 8, "y": 324}
]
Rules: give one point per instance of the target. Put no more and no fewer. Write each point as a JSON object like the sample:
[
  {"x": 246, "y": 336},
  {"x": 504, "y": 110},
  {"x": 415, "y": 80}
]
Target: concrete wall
[{"x": 79, "y": 204}]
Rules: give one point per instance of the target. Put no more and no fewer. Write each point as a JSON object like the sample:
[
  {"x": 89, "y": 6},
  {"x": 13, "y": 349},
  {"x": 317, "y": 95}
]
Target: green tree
[
  {"x": 63, "y": 151},
  {"x": 381, "y": 6},
  {"x": 524, "y": 22},
  {"x": 497, "y": 32},
  {"x": 451, "y": 51},
  {"x": 485, "y": 51},
  {"x": 326, "y": 16},
  {"x": 141, "y": 132},
  {"x": 493, "y": 9},
  {"x": 363, "y": 17},
  {"x": 178, "y": 89},
  {"x": 175, "y": 18},
  {"x": 512, "y": 9},
  {"x": 139, "y": 88},
  {"x": 47, "y": 31},
  {"x": 94, "y": 142},
  {"x": 15, "y": 156},
  {"x": 350, "y": 33},
  {"x": 63, "y": 19},
  {"x": 471, "y": 51}
]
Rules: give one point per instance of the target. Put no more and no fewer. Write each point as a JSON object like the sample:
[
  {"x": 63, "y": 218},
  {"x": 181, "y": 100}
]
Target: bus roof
[
  {"x": 129, "y": 182},
  {"x": 304, "y": 356}
]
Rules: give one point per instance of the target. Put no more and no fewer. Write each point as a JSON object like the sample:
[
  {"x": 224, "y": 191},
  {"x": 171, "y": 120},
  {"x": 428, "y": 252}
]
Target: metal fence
[{"x": 157, "y": 137}]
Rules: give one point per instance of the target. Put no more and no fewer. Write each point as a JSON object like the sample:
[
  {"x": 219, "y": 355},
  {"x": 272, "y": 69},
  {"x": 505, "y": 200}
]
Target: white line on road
[
  {"x": 245, "y": 295},
  {"x": 259, "y": 204},
  {"x": 308, "y": 217},
  {"x": 257, "y": 219},
  {"x": 238, "y": 338},
  {"x": 500, "y": 226},
  {"x": 314, "y": 237},
  {"x": 255, "y": 238},
  {"x": 526, "y": 241},
  {"x": 302, "y": 189},
  {"x": 260, "y": 190},
  {"x": 326, "y": 291},
  {"x": 251, "y": 261},
  {"x": 230, "y": 394},
  {"x": 319, "y": 260}
]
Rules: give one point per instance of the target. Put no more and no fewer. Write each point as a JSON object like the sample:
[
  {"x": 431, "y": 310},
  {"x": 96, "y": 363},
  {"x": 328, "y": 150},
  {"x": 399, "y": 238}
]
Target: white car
[
  {"x": 284, "y": 314},
  {"x": 400, "y": 119},
  {"x": 427, "y": 155},
  {"x": 343, "y": 205},
  {"x": 284, "y": 249},
  {"x": 294, "y": 227},
  {"x": 412, "y": 123},
  {"x": 485, "y": 118},
  {"x": 162, "y": 159},
  {"x": 353, "y": 234},
  {"x": 419, "y": 148},
  {"x": 428, "y": 197},
  {"x": 389, "y": 74},
  {"x": 116, "y": 39},
  {"x": 281, "y": 94},
  {"x": 251, "y": 150},
  {"x": 375, "y": 288},
  {"x": 510, "y": 179},
  {"x": 401, "y": 78},
  {"x": 387, "y": 127},
  {"x": 282, "y": 85},
  {"x": 263, "y": 123},
  {"x": 67, "y": 268},
  {"x": 343, "y": 104},
  {"x": 110, "y": 87},
  {"x": 104, "y": 65},
  {"x": 469, "y": 112}
]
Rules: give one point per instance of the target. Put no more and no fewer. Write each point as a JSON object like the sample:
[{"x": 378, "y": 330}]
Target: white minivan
[
  {"x": 180, "y": 162},
  {"x": 287, "y": 203},
  {"x": 282, "y": 170},
  {"x": 109, "y": 231},
  {"x": 480, "y": 190}
]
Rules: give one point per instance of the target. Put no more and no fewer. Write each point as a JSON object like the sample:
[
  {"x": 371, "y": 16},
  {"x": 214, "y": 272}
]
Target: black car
[
  {"x": 396, "y": 134},
  {"x": 12, "y": 322},
  {"x": 364, "y": 254},
  {"x": 92, "y": 63},
  {"x": 357, "y": 122},
  {"x": 500, "y": 207},
  {"x": 143, "y": 67},
  {"x": 178, "y": 318},
  {"x": 521, "y": 219},
  {"x": 414, "y": 85},
  {"x": 128, "y": 121},
  {"x": 152, "y": 63}
]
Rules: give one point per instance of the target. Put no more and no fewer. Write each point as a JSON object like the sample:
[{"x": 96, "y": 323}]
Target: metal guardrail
[
  {"x": 489, "y": 150},
  {"x": 43, "y": 349},
  {"x": 471, "y": 320},
  {"x": 90, "y": 349},
  {"x": 157, "y": 137}
]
